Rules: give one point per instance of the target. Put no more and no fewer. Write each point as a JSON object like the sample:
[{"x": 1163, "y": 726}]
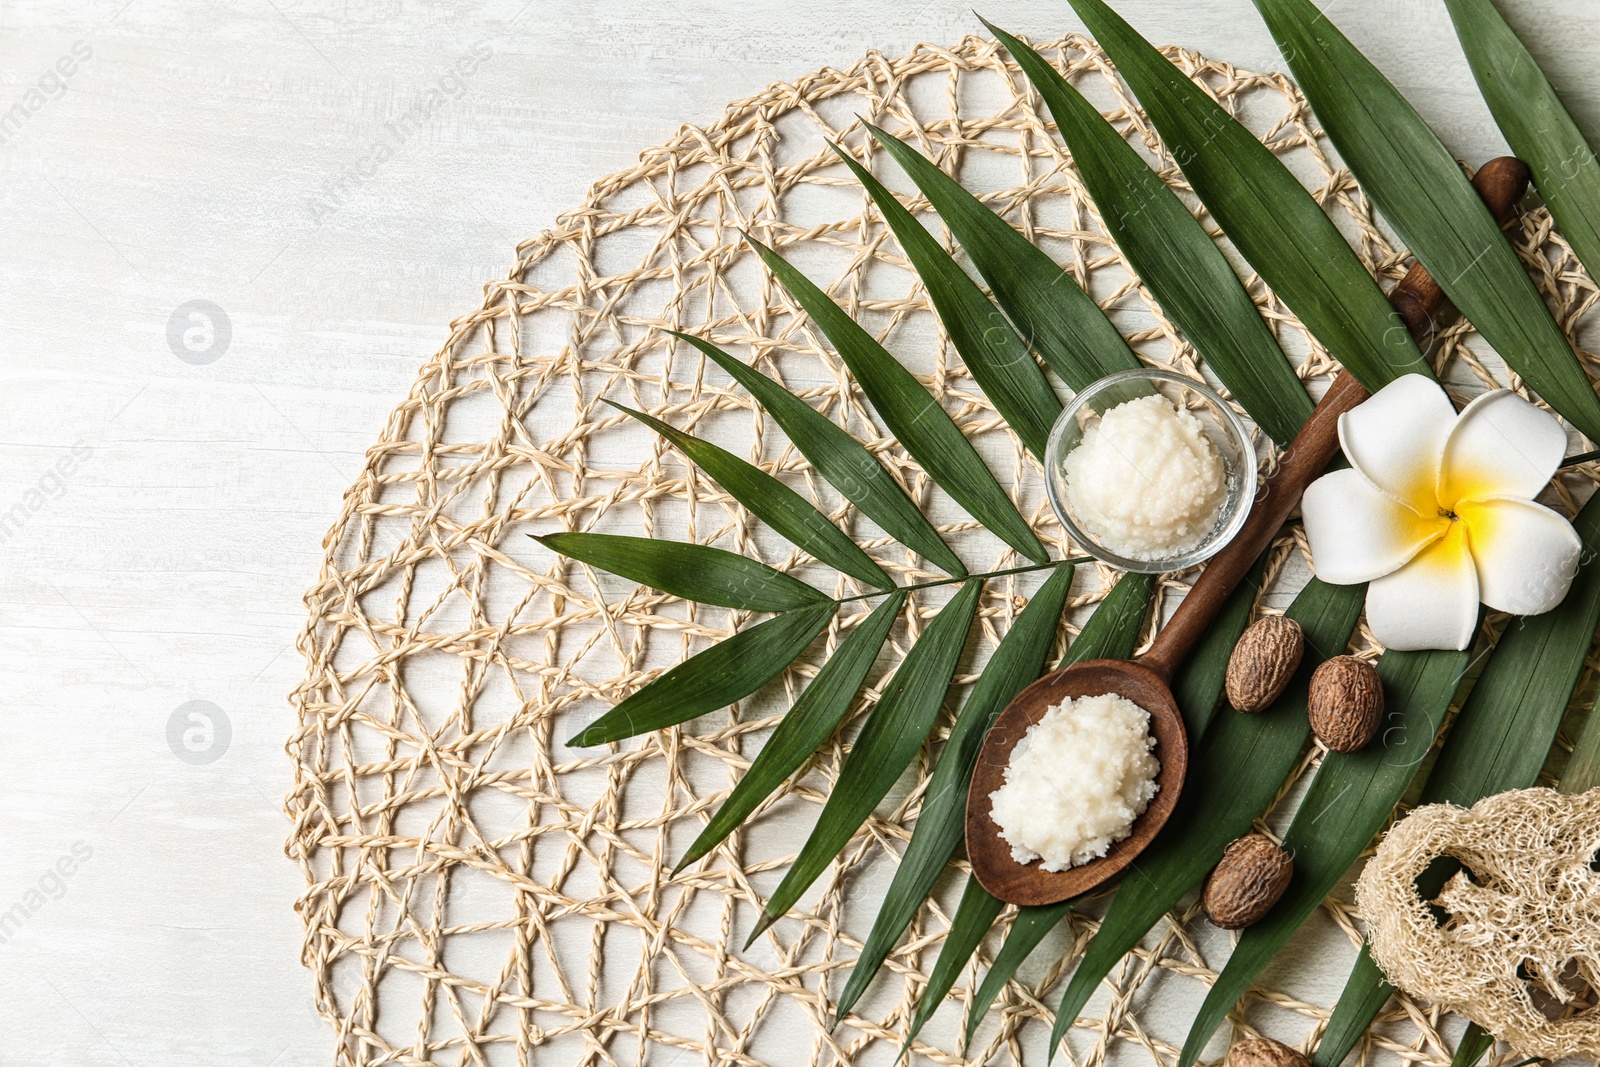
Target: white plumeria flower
[{"x": 1437, "y": 512}]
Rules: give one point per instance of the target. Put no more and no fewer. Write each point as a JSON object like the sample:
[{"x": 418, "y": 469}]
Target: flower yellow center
[
  {"x": 1446, "y": 551},
  {"x": 1459, "y": 485},
  {"x": 1447, "y": 519},
  {"x": 1442, "y": 515}
]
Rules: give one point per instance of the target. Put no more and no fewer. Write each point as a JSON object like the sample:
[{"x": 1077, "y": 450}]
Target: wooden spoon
[{"x": 1147, "y": 680}]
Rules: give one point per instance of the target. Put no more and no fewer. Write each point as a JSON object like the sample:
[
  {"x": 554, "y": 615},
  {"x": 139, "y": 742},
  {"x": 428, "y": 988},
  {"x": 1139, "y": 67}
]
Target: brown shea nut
[
  {"x": 1265, "y": 1052},
  {"x": 1246, "y": 882},
  {"x": 1345, "y": 703},
  {"x": 1266, "y": 657}
]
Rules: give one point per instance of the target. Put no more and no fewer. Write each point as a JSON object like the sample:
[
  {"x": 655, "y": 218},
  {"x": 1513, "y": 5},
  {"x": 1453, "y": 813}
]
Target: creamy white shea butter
[
  {"x": 1076, "y": 782},
  {"x": 1145, "y": 481}
]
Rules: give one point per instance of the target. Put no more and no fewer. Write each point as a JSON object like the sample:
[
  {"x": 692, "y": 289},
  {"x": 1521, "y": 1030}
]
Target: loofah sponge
[{"x": 1519, "y": 940}]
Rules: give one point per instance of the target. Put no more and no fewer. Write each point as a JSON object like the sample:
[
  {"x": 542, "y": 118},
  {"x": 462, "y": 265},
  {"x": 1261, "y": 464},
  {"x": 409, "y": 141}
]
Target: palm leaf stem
[{"x": 980, "y": 577}]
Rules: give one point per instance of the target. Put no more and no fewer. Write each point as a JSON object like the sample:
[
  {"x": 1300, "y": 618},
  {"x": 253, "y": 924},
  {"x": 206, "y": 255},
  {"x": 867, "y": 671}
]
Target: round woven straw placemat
[{"x": 478, "y": 893}]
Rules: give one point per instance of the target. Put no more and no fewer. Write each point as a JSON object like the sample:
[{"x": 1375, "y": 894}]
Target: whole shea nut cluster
[
  {"x": 1266, "y": 657},
  {"x": 1345, "y": 703}
]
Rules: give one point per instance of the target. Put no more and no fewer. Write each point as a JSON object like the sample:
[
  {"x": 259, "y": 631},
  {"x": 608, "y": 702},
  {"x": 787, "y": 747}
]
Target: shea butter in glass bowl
[{"x": 1150, "y": 471}]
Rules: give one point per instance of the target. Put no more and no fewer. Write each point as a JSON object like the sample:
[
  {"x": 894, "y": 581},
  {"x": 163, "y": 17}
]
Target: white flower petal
[
  {"x": 1525, "y": 553},
  {"x": 1431, "y": 602},
  {"x": 1396, "y": 437},
  {"x": 1358, "y": 532},
  {"x": 1500, "y": 446}
]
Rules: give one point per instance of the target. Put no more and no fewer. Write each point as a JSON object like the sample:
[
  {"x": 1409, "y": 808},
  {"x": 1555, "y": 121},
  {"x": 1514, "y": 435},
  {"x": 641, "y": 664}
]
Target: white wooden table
[{"x": 167, "y": 468}]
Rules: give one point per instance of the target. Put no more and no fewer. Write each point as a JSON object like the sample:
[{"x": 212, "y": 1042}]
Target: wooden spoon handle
[
  {"x": 1305, "y": 458},
  {"x": 1419, "y": 300}
]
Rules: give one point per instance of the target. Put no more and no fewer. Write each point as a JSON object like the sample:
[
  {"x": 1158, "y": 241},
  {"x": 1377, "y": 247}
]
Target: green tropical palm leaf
[
  {"x": 998, "y": 359},
  {"x": 729, "y": 670},
  {"x": 809, "y": 722},
  {"x": 1268, "y": 215},
  {"x": 1583, "y": 766},
  {"x": 1535, "y": 123},
  {"x": 915, "y": 418},
  {"x": 974, "y": 917},
  {"x": 1028, "y": 929},
  {"x": 1113, "y": 630},
  {"x": 1172, "y": 253},
  {"x": 769, "y": 500},
  {"x": 1473, "y": 1044},
  {"x": 1061, "y": 321},
  {"x": 1365, "y": 993},
  {"x": 1421, "y": 191},
  {"x": 841, "y": 459},
  {"x": 895, "y": 729},
  {"x": 1017, "y": 661},
  {"x": 700, "y": 573},
  {"x": 1111, "y": 633}
]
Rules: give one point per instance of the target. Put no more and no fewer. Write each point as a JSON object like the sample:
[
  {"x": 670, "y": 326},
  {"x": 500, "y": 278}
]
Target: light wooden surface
[{"x": 159, "y": 516}]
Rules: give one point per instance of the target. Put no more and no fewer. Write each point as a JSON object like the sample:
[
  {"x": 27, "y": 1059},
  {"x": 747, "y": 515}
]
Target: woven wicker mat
[{"x": 481, "y": 894}]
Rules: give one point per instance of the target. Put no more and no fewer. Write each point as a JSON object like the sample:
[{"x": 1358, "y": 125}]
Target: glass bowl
[{"x": 1225, "y": 430}]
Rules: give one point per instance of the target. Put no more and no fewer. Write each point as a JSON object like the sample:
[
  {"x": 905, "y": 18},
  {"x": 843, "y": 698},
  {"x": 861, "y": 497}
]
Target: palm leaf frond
[
  {"x": 1268, "y": 215},
  {"x": 1417, "y": 184},
  {"x": 1535, "y": 123},
  {"x": 997, "y": 358},
  {"x": 915, "y": 418},
  {"x": 807, "y": 724},
  {"x": 1473, "y": 1044},
  {"x": 895, "y": 729},
  {"x": 1047, "y": 307},
  {"x": 1017, "y": 661},
  {"x": 769, "y": 500},
  {"x": 1172, "y": 253},
  {"x": 841, "y": 459},
  {"x": 1111, "y": 633},
  {"x": 700, "y": 573},
  {"x": 729, "y": 670},
  {"x": 1028, "y": 929},
  {"x": 973, "y": 918}
]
